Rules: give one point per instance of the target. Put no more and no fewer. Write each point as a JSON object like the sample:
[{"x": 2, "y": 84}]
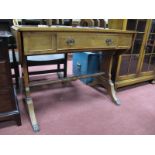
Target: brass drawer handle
[
  {"x": 70, "y": 42},
  {"x": 108, "y": 42}
]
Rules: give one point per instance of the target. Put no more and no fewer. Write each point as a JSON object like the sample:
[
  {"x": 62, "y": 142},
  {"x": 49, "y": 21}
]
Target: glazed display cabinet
[{"x": 138, "y": 63}]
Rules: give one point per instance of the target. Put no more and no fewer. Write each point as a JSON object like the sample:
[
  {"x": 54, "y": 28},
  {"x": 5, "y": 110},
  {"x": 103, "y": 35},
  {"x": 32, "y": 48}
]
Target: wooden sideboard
[
  {"x": 8, "y": 100},
  {"x": 33, "y": 40}
]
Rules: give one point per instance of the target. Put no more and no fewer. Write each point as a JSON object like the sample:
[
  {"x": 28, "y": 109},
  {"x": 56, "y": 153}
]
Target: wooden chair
[
  {"x": 48, "y": 59},
  {"x": 87, "y": 22}
]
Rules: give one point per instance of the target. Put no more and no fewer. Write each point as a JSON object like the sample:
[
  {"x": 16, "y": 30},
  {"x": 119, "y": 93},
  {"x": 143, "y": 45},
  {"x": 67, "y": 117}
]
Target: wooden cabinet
[
  {"x": 8, "y": 101},
  {"x": 138, "y": 63}
]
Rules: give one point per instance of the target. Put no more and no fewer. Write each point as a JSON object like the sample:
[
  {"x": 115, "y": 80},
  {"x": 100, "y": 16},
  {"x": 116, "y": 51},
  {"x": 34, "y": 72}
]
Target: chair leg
[
  {"x": 65, "y": 66},
  {"x": 58, "y": 66},
  {"x": 59, "y": 73},
  {"x": 17, "y": 76},
  {"x": 16, "y": 68}
]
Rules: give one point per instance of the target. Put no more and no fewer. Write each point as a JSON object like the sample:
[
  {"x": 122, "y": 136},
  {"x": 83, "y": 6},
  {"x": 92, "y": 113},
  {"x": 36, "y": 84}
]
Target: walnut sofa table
[{"x": 34, "y": 40}]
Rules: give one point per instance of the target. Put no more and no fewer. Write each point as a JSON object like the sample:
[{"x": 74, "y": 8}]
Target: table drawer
[
  {"x": 39, "y": 42},
  {"x": 86, "y": 41}
]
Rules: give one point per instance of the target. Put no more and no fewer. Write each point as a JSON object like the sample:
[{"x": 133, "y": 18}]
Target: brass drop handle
[
  {"x": 70, "y": 42},
  {"x": 108, "y": 41},
  {"x": 78, "y": 66}
]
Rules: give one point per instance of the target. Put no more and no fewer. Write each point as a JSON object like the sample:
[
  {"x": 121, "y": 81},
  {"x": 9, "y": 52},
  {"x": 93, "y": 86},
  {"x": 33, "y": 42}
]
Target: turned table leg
[
  {"x": 106, "y": 81},
  {"x": 28, "y": 99},
  {"x": 112, "y": 92}
]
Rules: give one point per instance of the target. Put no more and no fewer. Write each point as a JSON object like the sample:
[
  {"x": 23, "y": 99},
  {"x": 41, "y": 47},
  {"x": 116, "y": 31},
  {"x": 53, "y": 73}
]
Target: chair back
[{"x": 5, "y": 24}]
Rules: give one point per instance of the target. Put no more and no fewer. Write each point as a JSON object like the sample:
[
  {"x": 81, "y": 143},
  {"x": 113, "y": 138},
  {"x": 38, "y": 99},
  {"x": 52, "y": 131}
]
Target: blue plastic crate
[{"x": 86, "y": 63}]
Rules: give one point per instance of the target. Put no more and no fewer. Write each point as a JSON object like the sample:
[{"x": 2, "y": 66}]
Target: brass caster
[
  {"x": 36, "y": 128},
  {"x": 117, "y": 102}
]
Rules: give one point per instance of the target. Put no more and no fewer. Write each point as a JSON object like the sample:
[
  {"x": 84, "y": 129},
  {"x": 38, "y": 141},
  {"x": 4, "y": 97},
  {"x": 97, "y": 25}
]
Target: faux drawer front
[
  {"x": 86, "y": 41},
  {"x": 125, "y": 40},
  {"x": 39, "y": 42}
]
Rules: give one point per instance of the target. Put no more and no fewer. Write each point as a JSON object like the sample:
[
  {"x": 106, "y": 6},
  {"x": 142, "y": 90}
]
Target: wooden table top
[{"x": 68, "y": 29}]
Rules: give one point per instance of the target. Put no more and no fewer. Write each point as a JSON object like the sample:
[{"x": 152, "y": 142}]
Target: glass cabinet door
[
  {"x": 129, "y": 61},
  {"x": 149, "y": 55}
]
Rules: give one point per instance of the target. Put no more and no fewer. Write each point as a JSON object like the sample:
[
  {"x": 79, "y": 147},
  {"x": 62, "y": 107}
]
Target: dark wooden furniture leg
[
  {"x": 17, "y": 116},
  {"x": 59, "y": 73},
  {"x": 28, "y": 98},
  {"x": 65, "y": 66},
  {"x": 16, "y": 68},
  {"x": 58, "y": 66},
  {"x": 105, "y": 80},
  {"x": 64, "y": 69}
]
